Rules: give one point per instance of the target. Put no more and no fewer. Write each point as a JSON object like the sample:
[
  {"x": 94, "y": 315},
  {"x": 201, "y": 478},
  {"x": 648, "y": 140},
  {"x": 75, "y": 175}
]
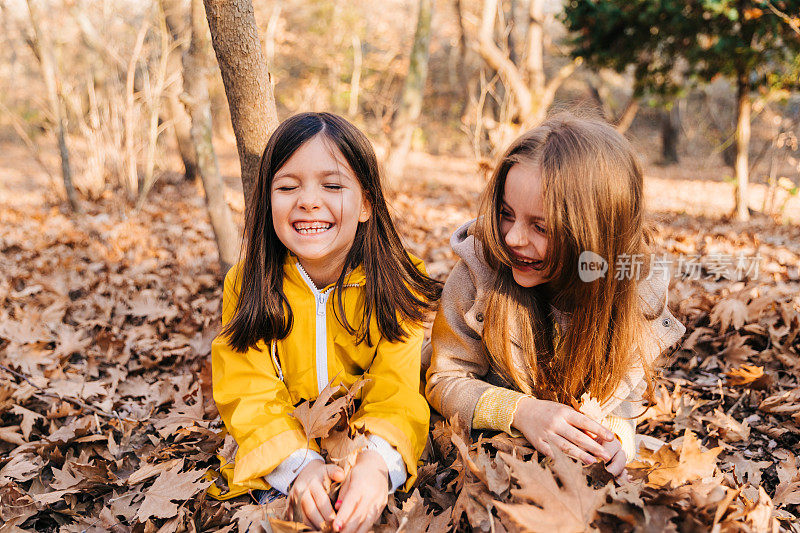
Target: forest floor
[{"x": 107, "y": 421}]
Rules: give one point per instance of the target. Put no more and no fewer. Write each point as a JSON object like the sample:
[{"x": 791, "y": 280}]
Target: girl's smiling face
[
  {"x": 317, "y": 204},
  {"x": 522, "y": 223}
]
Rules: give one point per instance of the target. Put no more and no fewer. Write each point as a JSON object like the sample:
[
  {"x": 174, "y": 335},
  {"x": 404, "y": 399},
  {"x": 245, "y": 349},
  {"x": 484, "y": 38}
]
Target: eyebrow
[{"x": 323, "y": 173}]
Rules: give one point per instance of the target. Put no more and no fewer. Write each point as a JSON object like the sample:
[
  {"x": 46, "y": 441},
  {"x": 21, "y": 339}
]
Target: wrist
[
  {"x": 373, "y": 459},
  {"x": 524, "y": 405}
]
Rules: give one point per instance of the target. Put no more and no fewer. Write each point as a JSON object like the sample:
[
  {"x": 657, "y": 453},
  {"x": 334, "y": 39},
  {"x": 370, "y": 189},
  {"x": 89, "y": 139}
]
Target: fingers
[
  {"x": 346, "y": 506},
  {"x": 311, "y": 514},
  {"x": 587, "y": 444},
  {"x": 362, "y": 518},
  {"x": 334, "y": 473},
  {"x": 617, "y": 465},
  {"x": 370, "y": 520},
  {"x": 573, "y": 451},
  {"x": 583, "y": 422},
  {"x": 322, "y": 502}
]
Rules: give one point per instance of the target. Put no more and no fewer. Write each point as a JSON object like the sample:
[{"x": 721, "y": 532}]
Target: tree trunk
[
  {"x": 248, "y": 88},
  {"x": 462, "y": 59},
  {"x": 47, "y": 64},
  {"x": 195, "y": 67},
  {"x": 405, "y": 120},
  {"x": 174, "y": 16},
  {"x": 355, "y": 78},
  {"x": 536, "y": 53},
  {"x": 670, "y": 128},
  {"x": 742, "y": 147}
]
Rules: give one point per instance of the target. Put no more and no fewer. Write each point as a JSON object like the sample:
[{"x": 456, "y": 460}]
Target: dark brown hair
[
  {"x": 396, "y": 291},
  {"x": 592, "y": 195}
]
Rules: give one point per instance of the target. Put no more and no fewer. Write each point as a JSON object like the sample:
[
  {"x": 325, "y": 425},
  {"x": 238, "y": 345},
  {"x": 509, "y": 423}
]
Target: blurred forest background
[{"x": 126, "y": 151}]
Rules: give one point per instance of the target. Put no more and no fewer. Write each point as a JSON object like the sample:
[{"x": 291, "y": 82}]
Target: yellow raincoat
[{"x": 255, "y": 393}]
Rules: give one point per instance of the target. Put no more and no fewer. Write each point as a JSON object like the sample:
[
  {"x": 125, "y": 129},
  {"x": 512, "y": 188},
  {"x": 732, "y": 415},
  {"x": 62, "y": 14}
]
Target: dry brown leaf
[
  {"x": 148, "y": 470},
  {"x": 729, "y": 311},
  {"x": 319, "y": 417},
  {"x": 170, "y": 485},
  {"x": 21, "y": 467},
  {"x": 286, "y": 526},
  {"x": 727, "y": 427},
  {"x": 591, "y": 407},
  {"x": 342, "y": 449},
  {"x": 668, "y": 468},
  {"x": 411, "y": 516},
  {"x": 29, "y": 418},
  {"x": 736, "y": 351},
  {"x": 563, "y": 500}
]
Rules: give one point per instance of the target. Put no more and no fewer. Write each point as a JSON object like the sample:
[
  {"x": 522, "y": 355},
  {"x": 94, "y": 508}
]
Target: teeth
[{"x": 310, "y": 228}]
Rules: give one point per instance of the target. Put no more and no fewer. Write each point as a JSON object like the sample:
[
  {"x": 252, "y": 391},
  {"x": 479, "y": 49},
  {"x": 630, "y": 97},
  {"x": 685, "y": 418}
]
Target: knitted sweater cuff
[{"x": 495, "y": 410}]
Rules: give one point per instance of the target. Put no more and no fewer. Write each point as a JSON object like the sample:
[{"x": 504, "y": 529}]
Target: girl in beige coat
[{"x": 554, "y": 299}]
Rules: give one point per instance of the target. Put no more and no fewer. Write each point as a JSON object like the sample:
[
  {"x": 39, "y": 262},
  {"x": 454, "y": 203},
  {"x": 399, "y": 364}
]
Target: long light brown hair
[
  {"x": 397, "y": 294},
  {"x": 592, "y": 196}
]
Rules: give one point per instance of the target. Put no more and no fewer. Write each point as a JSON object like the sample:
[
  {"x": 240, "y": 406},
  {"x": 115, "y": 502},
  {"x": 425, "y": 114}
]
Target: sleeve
[
  {"x": 253, "y": 402},
  {"x": 394, "y": 461},
  {"x": 625, "y": 430},
  {"x": 284, "y": 474},
  {"x": 391, "y": 404},
  {"x": 458, "y": 357},
  {"x": 495, "y": 410}
]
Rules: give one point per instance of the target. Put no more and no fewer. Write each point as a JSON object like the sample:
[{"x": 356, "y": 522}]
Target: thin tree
[
  {"x": 173, "y": 112},
  {"x": 196, "y": 99},
  {"x": 175, "y": 18},
  {"x": 44, "y": 52},
  {"x": 527, "y": 82},
  {"x": 405, "y": 120},
  {"x": 248, "y": 88}
]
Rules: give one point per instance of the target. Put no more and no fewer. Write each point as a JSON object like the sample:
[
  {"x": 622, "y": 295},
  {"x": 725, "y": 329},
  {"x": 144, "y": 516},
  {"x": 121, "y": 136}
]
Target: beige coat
[{"x": 458, "y": 365}]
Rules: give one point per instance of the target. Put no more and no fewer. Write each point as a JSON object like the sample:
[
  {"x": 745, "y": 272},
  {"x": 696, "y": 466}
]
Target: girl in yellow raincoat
[{"x": 325, "y": 291}]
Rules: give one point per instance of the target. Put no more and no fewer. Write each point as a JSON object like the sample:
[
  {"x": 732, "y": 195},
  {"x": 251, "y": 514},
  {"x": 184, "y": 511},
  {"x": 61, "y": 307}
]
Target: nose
[
  {"x": 308, "y": 199},
  {"x": 516, "y": 236}
]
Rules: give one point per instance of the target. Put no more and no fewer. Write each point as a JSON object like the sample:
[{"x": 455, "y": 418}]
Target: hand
[
  {"x": 363, "y": 495},
  {"x": 546, "y": 423},
  {"x": 616, "y": 466},
  {"x": 309, "y": 492}
]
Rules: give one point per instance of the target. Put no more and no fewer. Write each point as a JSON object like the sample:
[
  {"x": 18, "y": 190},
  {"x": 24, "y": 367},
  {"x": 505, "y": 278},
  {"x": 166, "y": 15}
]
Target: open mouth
[
  {"x": 525, "y": 263},
  {"x": 311, "y": 228}
]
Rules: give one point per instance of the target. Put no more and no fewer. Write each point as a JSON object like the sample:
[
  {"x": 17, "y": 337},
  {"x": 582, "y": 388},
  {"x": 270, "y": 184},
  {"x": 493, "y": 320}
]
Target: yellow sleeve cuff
[
  {"x": 625, "y": 430},
  {"x": 495, "y": 410}
]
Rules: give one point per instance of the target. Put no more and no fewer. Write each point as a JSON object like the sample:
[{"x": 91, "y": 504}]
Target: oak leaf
[
  {"x": 591, "y": 407},
  {"x": 170, "y": 485},
  {"x": 319, "y": 417},
  {"x": 729, "y": 311},
  {"x": 563, "y": 500},
  {"x": 668, "y": 468},
  {"x": 411, "y": 516}
]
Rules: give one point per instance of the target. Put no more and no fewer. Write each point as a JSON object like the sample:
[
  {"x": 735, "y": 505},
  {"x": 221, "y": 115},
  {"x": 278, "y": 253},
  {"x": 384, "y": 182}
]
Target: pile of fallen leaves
[{"x": 108, "y": 423}]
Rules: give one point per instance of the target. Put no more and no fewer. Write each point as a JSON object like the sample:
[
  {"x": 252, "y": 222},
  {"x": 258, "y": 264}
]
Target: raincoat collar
[{"x": 355, "y": 277}]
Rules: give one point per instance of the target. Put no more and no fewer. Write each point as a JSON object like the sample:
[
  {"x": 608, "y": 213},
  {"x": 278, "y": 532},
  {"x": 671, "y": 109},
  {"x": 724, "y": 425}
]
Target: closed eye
[
  {"x": 333, "y": 186},
  {"x": 286, "y": 188}
]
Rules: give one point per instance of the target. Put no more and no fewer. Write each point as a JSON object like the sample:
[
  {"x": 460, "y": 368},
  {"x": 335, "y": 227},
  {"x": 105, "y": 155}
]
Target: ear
[{"x": 366, "y": 210}]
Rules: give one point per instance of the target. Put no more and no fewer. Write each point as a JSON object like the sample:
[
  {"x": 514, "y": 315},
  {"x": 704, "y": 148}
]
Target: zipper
[{"x": 321, "y": 327}]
